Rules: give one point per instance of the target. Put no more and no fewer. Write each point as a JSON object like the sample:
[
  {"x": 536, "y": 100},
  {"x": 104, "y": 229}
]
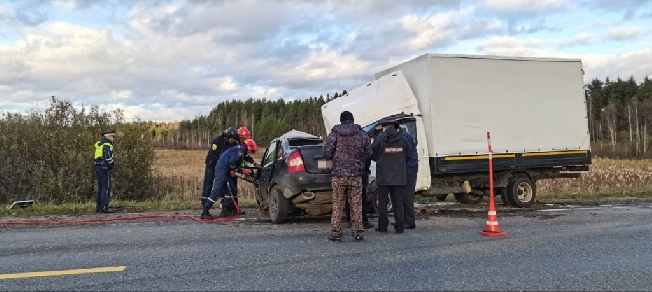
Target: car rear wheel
[{"x": 278, "y": 206}]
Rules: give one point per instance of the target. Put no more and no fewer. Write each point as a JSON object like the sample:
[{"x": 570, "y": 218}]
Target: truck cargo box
[{"x": 528, "y": 104}]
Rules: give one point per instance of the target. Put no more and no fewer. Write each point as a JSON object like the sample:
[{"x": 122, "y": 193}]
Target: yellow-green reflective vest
[{"x": 99, "y": 149}]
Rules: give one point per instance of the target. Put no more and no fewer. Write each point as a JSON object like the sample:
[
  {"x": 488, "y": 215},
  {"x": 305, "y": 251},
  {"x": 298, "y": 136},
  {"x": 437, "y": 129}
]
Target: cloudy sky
[{"x": 169, "y": 60}]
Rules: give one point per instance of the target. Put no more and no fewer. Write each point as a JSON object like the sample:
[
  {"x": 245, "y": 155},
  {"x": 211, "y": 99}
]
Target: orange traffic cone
[{"x": 492, "y": 220}]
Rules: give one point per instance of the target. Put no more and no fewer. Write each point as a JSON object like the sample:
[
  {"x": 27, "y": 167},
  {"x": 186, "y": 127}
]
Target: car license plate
[{"x": 324, "y": 164}]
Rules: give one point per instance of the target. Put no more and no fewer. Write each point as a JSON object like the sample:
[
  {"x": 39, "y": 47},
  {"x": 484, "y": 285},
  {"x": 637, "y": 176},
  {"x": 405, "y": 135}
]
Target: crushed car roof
[{"x": 294, "y": 134}]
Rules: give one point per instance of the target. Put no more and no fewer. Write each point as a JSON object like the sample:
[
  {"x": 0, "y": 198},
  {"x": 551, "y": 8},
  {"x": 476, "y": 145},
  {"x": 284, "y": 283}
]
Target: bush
[{"x": 47, "y": 155}]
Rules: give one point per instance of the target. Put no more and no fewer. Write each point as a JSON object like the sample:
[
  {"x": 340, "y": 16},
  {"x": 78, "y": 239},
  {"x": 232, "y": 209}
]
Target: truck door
[{"x": 414, "y": 126}]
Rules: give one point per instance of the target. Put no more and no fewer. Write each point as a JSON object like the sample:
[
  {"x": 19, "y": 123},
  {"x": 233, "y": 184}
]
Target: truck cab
[{"x": 413, "y": 125}]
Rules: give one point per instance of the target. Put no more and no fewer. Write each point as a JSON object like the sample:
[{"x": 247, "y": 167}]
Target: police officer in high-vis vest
[{"x": 103, "y": 167}]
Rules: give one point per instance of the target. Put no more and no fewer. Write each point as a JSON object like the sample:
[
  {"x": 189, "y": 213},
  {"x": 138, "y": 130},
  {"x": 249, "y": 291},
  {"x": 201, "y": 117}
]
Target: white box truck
[{"x": 534, "y": 108}]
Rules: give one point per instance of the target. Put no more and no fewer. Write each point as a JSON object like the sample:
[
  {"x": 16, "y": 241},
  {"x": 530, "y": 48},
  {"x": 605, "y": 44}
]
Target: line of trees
[
  {"x": 266, "y": 119},
  {"x": 620, "y": 119}
]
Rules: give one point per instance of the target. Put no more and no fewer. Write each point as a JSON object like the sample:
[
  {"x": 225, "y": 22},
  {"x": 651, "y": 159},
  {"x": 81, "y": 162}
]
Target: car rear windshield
[{"x": 304, "y": 142}]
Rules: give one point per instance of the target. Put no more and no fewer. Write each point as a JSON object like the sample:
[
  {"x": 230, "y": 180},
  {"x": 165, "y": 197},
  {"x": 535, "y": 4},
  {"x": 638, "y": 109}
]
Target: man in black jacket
[{"x": 390, "y": 151}]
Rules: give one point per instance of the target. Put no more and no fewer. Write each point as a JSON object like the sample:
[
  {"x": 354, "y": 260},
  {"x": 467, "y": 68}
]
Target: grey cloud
[
  {"x": 516, "y": 27},
  {"x": 627, "y": 33},
  {"x": 230, "y": 21},
  {"x": 629, "y": 7},
  {"x": 524, "y": 9},
  {"x": 87, "y": 4},
  {"x": 610, "y": 4},
  {"x": 383, "y": 6},
  {"x": 31, "y": 15}
]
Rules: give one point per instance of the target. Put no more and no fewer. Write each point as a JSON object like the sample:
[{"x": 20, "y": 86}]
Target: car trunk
[{"x": 313, "y": 159}]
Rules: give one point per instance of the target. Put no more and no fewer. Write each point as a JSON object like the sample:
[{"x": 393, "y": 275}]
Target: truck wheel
[
  {"x": 278, "y": 206},
  {"x": 521, "y": 192},
  {"x": 474, "y": 197},
  {"x": 503, "y": 196}
]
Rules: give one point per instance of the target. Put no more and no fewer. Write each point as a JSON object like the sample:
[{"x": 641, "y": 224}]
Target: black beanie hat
[{"x": 346, "y": 116}]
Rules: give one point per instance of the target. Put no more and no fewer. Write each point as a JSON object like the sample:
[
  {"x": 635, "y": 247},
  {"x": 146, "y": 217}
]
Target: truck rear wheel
[
  {"x": 474, "y": 197},
  {"x": 278, "y": 206},
  {"x": 502, "y": 192},
  {"x": 521, "y": 192}
]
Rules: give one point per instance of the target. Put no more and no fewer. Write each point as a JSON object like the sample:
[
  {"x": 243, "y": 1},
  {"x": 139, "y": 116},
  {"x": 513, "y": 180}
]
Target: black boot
[
  {"x": 225, "y": 213},
  {"x": 335, "y": 236},
  {"x": 205, "y": 214},
  {"x": 358, "y": 236}
]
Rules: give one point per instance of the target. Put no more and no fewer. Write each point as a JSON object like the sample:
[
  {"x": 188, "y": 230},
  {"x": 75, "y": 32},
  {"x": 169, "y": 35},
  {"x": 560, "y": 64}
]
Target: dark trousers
[
  {"x": 103, "y": 188},
  {"x": 232, "y": 192},
  {"x": 209, "y": 177},
  {"x": 220, "y": 188},
  {"x": 408, "y": 199},
  {"x": 396, "y": 195}
]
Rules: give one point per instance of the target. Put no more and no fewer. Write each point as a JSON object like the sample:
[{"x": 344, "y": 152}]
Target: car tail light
[{"x": 295, "y": 163}]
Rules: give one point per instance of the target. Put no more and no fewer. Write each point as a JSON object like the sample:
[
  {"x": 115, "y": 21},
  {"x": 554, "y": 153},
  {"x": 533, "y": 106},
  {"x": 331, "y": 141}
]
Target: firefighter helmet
[
  {"x": 244, "y": 133},
  {"x": 251, "y": 146}
]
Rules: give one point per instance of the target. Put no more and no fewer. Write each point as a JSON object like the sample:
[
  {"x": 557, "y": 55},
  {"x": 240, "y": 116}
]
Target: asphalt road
[{"x": 604, "y": 248}]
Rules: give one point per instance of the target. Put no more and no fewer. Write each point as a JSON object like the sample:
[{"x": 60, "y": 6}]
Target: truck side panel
[
  {"x": 528, "y": 104},
  {"x": 453, "y": 165}
]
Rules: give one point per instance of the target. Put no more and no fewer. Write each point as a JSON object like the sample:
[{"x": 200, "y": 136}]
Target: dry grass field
[
  {"x": 607, "y": 177},
  {"x": 185, "y": 168}
]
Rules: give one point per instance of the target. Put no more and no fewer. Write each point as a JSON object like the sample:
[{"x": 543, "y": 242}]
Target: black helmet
[{"x": 231, "y": 132}]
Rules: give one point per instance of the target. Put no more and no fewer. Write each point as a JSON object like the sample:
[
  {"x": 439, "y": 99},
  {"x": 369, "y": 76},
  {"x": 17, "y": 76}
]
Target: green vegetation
[{"x": 47, "y": 155}]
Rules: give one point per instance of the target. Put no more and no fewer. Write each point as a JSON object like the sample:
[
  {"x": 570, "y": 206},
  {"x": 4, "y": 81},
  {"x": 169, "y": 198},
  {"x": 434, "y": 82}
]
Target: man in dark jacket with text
[
  {"x": 348, "y": 147},
  {"x": 390, "y": 151}
]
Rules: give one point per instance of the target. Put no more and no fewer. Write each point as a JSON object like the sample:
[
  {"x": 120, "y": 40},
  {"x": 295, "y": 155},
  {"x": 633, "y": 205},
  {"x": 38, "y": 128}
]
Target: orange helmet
[
  {"x": 244, "y": 133},
  {"x": 251, "y": 146}
]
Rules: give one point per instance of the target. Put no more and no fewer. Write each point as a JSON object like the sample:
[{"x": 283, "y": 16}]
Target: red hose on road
[{"x": 174, "y": 216}]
